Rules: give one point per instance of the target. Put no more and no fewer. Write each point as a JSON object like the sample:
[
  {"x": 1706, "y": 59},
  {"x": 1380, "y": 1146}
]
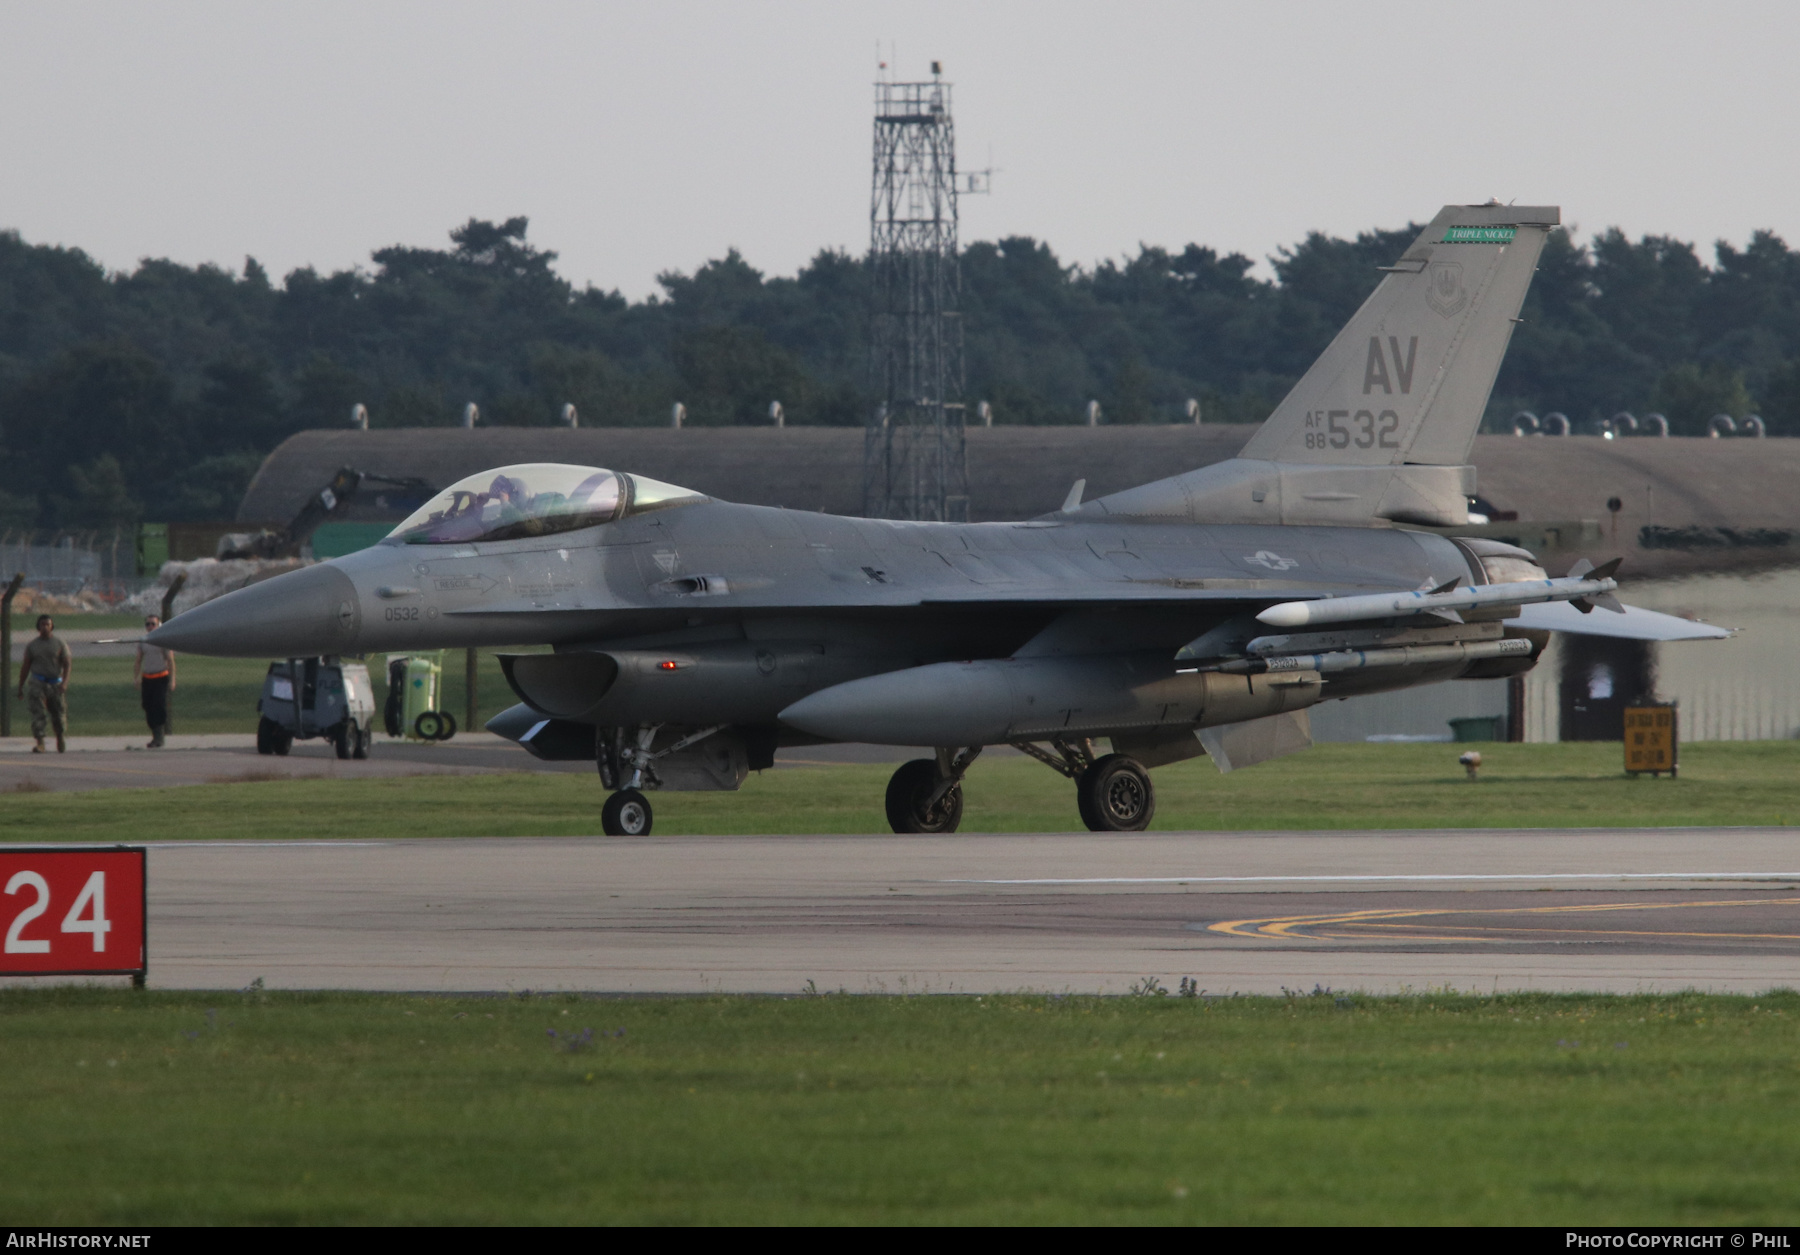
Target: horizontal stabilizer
[{"x": 1634, "y": 623}]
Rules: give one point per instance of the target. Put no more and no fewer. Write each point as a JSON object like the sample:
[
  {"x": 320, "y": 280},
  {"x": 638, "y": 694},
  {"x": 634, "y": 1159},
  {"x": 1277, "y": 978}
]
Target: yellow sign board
[{"x": 1650, "y": 739}]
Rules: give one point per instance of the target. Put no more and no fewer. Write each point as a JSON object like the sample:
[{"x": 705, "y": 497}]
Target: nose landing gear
[
  {"x": 627, "y": 762},
  {"x": 626, "y": 814}
]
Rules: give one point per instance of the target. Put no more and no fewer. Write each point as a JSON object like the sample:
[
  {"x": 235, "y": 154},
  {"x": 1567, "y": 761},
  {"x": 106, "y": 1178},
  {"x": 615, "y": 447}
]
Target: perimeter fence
[{"x": 97, "y": 567}]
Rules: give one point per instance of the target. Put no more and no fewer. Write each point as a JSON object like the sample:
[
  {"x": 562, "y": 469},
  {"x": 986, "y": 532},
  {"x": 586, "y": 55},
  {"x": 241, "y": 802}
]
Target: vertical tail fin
[{"x": 1407, "y": 379}]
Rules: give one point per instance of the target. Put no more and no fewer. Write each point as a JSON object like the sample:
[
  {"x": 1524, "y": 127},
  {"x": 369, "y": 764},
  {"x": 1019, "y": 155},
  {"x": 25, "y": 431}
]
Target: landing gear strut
[
  {"x": 627, "y": 763},
  {"x": 623, "y": 756},
  {"x": 925, "y": 795},
  {"x": 1112, "y": 792}
]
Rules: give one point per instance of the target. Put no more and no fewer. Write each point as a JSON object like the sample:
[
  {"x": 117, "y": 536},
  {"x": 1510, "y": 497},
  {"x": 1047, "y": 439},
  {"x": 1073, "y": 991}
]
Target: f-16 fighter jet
[{"x": 1203, "y": 613}]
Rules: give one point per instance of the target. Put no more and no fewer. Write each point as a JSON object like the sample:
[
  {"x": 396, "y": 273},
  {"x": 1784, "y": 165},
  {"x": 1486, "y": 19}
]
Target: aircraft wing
[
  {"x": 1636, "y": 624},
  {"x": 1133, "y": 591},
  {"x": 998, "y": 595}
]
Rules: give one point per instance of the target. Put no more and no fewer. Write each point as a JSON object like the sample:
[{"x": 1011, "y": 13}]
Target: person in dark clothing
[
  {"x": 155, "y": 676},
  {"x": 45, "y": 675}
]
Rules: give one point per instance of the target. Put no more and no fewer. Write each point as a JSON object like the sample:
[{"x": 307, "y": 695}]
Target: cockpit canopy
[{"x": 534, "y": 499}]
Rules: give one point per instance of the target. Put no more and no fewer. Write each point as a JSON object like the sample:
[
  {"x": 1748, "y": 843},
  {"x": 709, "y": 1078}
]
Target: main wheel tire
[
  {"x": 281, "y": 740},
  {"x": 341, "y": 737},
  {"x": 1082, "y": 803},
  {"x": 909, "y": 807},
  {"x": 429, "y": 726},
  {"x": 359, "y": 746},
  {"x": 626, "y": 814},
  {"x": 1117, "y": 796},
  {"x": 393, "y": 710},
  {"x": 265, "y": 744}
]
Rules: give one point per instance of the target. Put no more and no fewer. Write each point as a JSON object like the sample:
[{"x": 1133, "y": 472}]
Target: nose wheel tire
[
  {"x": 626, "y": 814},
  {"x": 909, "y": 804},
  {"x": 1115, "y": 795}
]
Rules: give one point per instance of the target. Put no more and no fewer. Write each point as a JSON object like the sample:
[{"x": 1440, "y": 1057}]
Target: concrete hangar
[{"x": 1709, "y": 528}]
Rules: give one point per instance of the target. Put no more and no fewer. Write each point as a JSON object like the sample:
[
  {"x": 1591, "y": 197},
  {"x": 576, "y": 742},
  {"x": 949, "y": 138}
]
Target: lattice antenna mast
[{"x": 914, "y": 465}]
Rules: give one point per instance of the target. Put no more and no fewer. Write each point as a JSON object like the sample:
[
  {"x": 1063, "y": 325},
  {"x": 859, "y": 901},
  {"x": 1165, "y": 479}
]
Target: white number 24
[{"x": 91, "y": 898}]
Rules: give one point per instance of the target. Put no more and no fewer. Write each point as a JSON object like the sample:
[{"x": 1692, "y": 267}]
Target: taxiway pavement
[
  {"x": 123, "y": 762},
  {"x": 1584, "y": 909}
]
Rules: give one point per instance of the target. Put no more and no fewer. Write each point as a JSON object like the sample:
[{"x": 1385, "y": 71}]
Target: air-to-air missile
[
  {"x": 691, "y": 637},
  {"x": 1449, "y": 601}
]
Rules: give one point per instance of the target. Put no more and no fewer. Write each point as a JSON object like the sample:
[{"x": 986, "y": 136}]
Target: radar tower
[{"x": 914, "y": 466}]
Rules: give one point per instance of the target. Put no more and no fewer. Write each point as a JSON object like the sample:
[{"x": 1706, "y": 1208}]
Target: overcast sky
[{"x": 648, "y": 136}]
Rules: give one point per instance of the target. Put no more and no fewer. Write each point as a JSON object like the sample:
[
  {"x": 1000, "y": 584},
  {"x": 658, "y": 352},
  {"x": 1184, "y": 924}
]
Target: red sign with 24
[{"x": 73, "y": 912}]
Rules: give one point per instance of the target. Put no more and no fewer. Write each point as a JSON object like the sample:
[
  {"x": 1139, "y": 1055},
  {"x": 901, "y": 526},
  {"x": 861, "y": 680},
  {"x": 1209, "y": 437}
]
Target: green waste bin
[
  {"x": 1479, "y": 728},
  {"x": 413, "y": 694}
]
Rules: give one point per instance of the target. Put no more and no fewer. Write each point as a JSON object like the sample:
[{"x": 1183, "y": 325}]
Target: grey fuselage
[{"x": 798, "y": 602}]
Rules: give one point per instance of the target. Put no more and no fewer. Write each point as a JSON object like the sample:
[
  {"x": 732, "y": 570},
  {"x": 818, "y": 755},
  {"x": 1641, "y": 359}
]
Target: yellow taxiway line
[{"x": 1284, "y": 925}]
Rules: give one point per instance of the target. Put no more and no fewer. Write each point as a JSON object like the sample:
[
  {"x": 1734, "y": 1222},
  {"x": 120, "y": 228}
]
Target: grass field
[
  {"x": 128, "y": 1108},
  {"x": 24, "y": 624},
  {"x": 1327, "y": 787}
]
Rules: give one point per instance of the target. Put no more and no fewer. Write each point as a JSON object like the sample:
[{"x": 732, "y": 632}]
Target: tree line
[{"x": 156, "y": 393}]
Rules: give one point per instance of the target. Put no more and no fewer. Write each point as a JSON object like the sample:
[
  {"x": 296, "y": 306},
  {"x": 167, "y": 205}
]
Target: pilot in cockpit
[
  {"x": 508, "y": 502},
  {"x": 533, "y": 499}
]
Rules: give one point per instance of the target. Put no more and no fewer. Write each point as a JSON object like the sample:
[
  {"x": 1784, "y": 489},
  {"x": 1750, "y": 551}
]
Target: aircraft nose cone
[{"x": 310, "y": 611}]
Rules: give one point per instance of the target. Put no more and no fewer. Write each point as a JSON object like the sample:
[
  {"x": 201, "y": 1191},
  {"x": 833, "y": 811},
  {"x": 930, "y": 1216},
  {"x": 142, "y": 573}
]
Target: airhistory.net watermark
[{"x": 49, "y": 1240}]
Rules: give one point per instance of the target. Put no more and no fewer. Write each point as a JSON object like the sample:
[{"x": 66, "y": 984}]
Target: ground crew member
[
  {"x": 154, "y": 673},
  {"x": 45, "y": 671}
]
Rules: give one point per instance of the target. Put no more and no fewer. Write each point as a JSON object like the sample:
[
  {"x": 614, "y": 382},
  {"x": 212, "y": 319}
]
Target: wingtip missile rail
[{"x": 1595, "y": 589}]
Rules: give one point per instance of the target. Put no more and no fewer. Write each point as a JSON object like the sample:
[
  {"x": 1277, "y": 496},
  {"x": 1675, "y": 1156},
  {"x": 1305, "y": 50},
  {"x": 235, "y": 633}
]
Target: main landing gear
[
  {"x": 1115, "y": 795},
  {"x": 925, "y": 795},
  {"x": 1113, "y": 792}
]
